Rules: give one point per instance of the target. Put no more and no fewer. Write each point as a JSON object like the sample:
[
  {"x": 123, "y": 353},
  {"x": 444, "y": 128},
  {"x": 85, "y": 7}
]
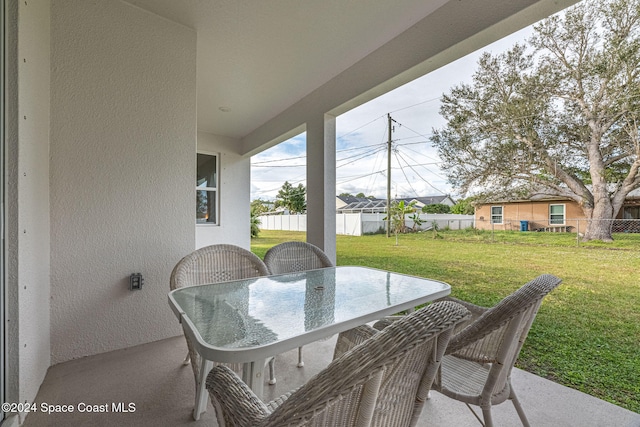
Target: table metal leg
[{"x": 201, "y": 391}]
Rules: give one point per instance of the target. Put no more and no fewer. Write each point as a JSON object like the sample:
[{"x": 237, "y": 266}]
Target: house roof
[
  {"x": 370, "y": 206},
  {"x": 430, "y": 200},
  {"x": 361, "y": 204},
  {"x": 533, "y": 199},
  {"x": 633, "y": 195},
  {"x": 353, "y": 199}
]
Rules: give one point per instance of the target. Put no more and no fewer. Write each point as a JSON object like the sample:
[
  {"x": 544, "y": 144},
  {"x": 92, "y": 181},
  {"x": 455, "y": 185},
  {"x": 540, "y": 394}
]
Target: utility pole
[{"x": 389, "y": 176}]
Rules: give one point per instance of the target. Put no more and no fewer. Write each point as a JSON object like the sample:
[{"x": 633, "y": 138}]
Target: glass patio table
[{"x": 249, "y": 321}]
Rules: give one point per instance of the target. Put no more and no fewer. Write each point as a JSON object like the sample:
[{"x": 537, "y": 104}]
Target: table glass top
[{"x": 263, "y": 310}]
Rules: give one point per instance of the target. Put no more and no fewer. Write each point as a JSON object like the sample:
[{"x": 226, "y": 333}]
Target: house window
[
  {"x": 631, "y": 212},
  {"x": 496, "y": 214},
  {"x": 207, "y": 189},
  {"x": 556, "y": 214}
]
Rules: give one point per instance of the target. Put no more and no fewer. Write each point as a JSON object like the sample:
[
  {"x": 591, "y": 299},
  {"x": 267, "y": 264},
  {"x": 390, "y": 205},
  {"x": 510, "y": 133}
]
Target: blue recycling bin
[{"x": 524, "y": 225}]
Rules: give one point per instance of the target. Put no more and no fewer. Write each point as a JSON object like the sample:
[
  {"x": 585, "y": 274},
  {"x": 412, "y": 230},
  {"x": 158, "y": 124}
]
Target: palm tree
[{"x": 255, "y": 223}]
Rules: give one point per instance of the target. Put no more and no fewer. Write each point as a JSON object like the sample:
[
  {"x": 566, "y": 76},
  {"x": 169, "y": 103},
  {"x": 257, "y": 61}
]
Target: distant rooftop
[{"x": 363, "y": 204}]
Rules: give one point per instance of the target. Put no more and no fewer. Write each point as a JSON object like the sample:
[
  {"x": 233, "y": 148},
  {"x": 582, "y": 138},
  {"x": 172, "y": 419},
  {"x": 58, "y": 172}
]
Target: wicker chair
[
  {"x": 373, "y": 384},
  {"x": 477, "y": 366},
  {"x": 295, "y": 256},
  {"x": 214, "y": 264},
  {"x": 290, "y": 257}
]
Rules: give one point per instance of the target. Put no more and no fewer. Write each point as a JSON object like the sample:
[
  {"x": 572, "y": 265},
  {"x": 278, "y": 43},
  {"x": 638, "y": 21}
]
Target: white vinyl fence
[{"x": 357, "y": 224}]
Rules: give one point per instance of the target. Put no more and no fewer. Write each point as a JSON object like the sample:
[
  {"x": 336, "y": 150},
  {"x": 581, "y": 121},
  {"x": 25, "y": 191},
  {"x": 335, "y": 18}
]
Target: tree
[
  {"x": 292, "y": 198},
  {"x": 417, "y": 221},
  {"x": 259, "y": 206},
  {"x": 359, "y": 195},
  {"x": 397, "y": 216},
  {"x": 559, "y": 119},
  {"x": 436, "y": 208},
  {"x": 464, "y": 207},
  {"x": 255, "y": 224}
]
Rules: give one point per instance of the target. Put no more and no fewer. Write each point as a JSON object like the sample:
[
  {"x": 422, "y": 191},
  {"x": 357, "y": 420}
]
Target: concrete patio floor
[{"x": 153, "y": 378}]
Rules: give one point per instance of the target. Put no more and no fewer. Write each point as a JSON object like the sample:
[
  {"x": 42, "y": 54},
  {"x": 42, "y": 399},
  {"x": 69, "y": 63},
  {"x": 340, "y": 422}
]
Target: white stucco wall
[
  {"x": 28, "y": 288},
  {"x": 235, "y": 181},
  {"x": 123, "y": 138}
]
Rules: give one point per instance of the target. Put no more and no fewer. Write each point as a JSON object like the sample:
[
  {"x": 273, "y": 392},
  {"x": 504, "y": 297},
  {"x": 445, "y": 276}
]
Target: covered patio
[
  {"x": 153, "y": 378},
  {"x": 107, "y": 105}
]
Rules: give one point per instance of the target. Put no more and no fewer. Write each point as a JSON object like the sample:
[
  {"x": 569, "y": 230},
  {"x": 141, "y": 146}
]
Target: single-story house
[
  {"x": 127, "y": 132},
  {"x": 545, "y": 214}
]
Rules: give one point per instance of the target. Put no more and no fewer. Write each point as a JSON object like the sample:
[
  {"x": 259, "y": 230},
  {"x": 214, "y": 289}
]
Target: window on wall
[
  {"x": 556, "y": 214},
  {"x": 496, "y": 214},
  {"x": 631, "y": 212},
  {"x": 207, "y": 189}
]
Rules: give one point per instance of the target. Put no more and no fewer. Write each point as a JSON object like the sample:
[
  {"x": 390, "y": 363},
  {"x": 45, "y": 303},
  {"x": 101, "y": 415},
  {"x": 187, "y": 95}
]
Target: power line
[
  {"x": 360, "y": 177},
  {"x": 278, "y": 166},
  {"x": 363, "y": 147},
  {"x": 410, "y": 137},
  {"x": 437, "y": 161},
  {"x": 302, "y": 179},
  {"x": 429, "y": 170},
  {"x": 415, "y": 105},
  {"x": 420, "y": 176},
  {"x": 405, "y": 175},
  {"x": 361, "y": 157},
  {"x": 359, "y": 154},
  {"x": 416, "y": 132},
  {"x": 356, "y": 148},
  {"x": 360, "y": 127}
]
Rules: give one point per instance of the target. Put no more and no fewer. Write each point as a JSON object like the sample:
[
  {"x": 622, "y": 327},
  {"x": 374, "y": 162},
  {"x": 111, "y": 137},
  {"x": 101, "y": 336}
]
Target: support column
[{"x": 321, "y": 184}]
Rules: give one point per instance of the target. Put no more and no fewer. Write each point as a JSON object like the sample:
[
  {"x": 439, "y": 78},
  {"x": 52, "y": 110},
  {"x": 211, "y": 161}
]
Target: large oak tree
[{"x": 557, "y": 116}]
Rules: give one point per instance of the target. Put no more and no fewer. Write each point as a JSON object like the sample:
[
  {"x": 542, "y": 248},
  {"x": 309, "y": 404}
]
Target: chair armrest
[
  {"x": 476, "y": 310},
  {"x": 275, "y": 403},
  {"x": 235, "y": 403},
  {"x": 385, "y": 321},
  {"x": 349, "y": 339}
]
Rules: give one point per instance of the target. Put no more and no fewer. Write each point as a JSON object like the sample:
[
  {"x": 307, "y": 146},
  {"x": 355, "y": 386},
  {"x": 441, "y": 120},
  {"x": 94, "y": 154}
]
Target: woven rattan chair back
[
  {"x": 290, "y": 257},
  {"x": 215, "y": 264},
  {"x": 481, "y": 354},
  {"x": 372, "y": 384}
]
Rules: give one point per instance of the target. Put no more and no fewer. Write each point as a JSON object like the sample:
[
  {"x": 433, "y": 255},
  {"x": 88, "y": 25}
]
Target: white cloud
[{"x": 361, "y": 156}]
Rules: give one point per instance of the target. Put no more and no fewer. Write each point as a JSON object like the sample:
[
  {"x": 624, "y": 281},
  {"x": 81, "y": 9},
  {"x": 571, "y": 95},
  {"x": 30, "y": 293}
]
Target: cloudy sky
[{"x": 361, "y": 157}]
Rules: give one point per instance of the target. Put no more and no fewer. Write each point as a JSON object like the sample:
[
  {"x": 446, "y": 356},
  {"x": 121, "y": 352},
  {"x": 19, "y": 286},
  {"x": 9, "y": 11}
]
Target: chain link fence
[
  {"x": 569, "y": 225},
  {"x": 619, "y": 228},
  {"x": 625, "y": 226}
]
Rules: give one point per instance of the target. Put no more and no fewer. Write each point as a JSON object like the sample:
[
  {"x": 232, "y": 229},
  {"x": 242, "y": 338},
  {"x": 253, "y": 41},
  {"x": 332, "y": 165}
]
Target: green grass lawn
[{"x": 587, "y": 332}]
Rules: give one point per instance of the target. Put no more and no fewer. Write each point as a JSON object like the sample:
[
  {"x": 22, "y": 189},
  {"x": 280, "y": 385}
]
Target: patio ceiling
[
  {"x": 262, "y": 60},
  {"x": 257, "y": 58}
]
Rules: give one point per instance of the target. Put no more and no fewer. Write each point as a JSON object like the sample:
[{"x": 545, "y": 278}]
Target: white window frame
[
  {"x": 564, "y": 214},
  {"x": 215, "y": 190},
  {"x": 491, "y": 215}
]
